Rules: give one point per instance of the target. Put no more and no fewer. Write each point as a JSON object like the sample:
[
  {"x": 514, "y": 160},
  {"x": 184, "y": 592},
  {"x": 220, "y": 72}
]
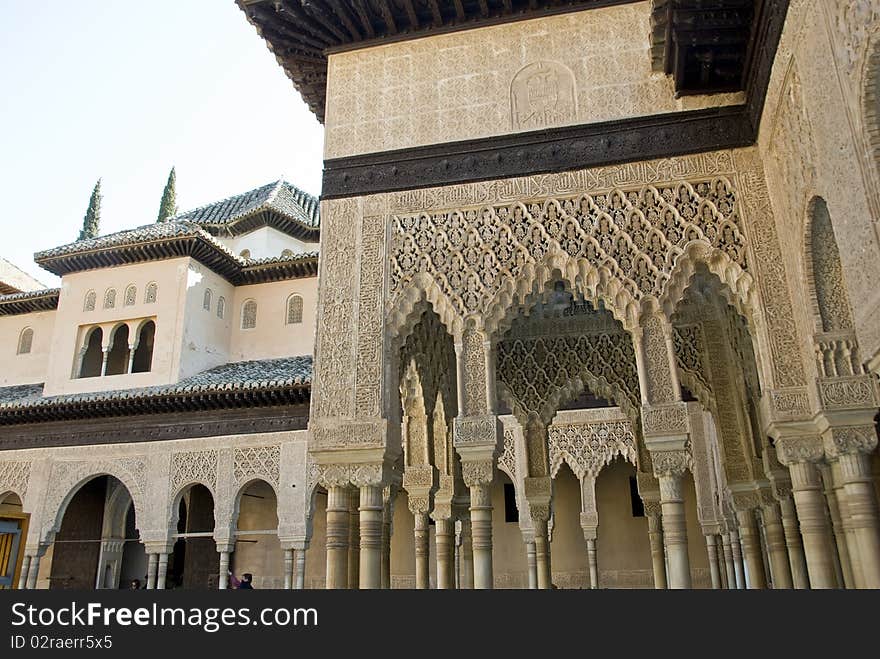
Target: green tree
[
  {"x": 168, "y": 207},
  {"x": 92, "y": 219}
]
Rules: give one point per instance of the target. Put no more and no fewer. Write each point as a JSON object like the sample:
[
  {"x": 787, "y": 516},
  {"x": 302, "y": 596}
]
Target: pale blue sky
[{"x": 123, "y": 90}]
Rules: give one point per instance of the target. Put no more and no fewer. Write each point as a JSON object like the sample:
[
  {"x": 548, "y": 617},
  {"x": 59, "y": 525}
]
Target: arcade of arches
[{"x": 579, "y": 380}]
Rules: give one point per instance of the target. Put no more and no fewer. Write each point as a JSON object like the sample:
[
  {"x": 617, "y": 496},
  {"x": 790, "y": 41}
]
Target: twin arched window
[
  {"x": 249, "y": 315},
  {"x": 206, "y": 301},
  {"x": 25, "y": 341},
  {"x": 294, "y": 310},
  {"x": 110, "y": 298},
  {"x": 130, "y": 296}
]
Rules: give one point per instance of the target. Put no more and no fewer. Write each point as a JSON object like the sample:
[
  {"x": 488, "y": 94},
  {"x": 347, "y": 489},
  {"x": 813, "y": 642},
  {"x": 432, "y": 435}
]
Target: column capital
[
  {"x": 668, "y": 463},
  {"x": 670, "y": 420},
  {"x": 538, "y": 491},
  {"x": 355, "y": 474},
  {"x": 799, "y": 448},
  {"x": 477, "y": 472},
  {"x": 843, "y": 440},
  {"x": 477, "y": 432}
]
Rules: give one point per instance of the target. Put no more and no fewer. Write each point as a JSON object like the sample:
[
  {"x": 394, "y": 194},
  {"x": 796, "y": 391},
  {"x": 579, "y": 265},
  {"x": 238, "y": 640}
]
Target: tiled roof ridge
[{"x": 183, "y": 388}]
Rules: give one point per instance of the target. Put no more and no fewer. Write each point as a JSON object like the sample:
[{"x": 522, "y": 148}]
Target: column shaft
[
  {"x": 793, "y": 543},
  {"x": 843, "y": 567},
  {"x": 593, "y": 562},
  {"x": 152, "y": 564},
  {"x": 675, "y": 531},
  {"x": 224, "y": 570},
  {"x": 162, "y": 571},
  {"x": 354, "y": 539},
  {"x": 861, "y": 503},
  {"x": 542, "y": 555},
  {"x": 739, "y": 569},
  {"x": 729, "y": 567},
  {"x": 712, "y": 550},
  {"x": 481, "y": 536},
  {"x": 751, "y": 548},
  {"x": 299, "y": 576},
  {"x": 338, "y": 516},
  {"x": 23, "y": 575},
  {"x": 444, "y": 531},
  {"x": 815, "y": 530},
  {"x": 288, "y": 569},
  {"x": 370, "y": 569},
  {"x": 658, "y": 557},
  {"x": 531, "y": 564},
  {"x": 422, "y": 540},
  {"x": 780, "y": 565}
]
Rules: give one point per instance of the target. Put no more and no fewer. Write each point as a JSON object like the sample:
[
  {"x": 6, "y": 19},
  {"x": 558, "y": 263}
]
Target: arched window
[
  {"x": 245, "y": 254},
  {"x": 287, "y": 253},
  {"x": 25, "y": 341},
  {"x": 249, "y": 315},
  {"x": 206, "y": 301},
  {"x": 89, "y": 303},
  {"x": 117, "y": 358},
  {"x": 131, "y": 295},
  {"x": 142, "y": 361},
  {"x": 221, "y": 306},
  {"x": 110, "y": 298},
  {"x": 151, "y": 294},
  {"x": 294, "y": 310},
  {"x": 93, "y": 356}
]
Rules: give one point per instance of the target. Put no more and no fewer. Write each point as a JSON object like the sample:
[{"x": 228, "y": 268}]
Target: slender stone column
[
  {"x": 152, "y": 564},
  {"x": 793, "y": 543},
  {"x": 851, "y": 543},
  {"x": 354, "y": 539},
  {"x": 542, "y": 553},
  {"x": 669, "y": 467},
  {"x": 739, "y": 568},
  {"x": 780, "y": 565},
  {"x": 338, "y": 501},
  {"x": 590, "y": 525},
  {"x": 593, "y": 562},
  {"x": 861, "y": 503},
  {"x": 224, "y": 568},
  {"x": 531, "y": 560},
  {"x": 371, "y": 524},
  {"x": 299, "y": 575},
  {"x": 729, "y": 569},
  {"x": 466, "y": 555},
  {"x": 444, "y": 534},
  {"x": 712, "y": 550},
  {"x": 422, "y": 541},
  {"x": 842, "y": 566},
  {"x": 751, "y": 548},
  {"x": 388, "y": 496},
  {"x": 810, "y": 504},
  {"x": 104, "y": 358},
  {"x": 23, "y": 575},
  {"x": 655, "y": 538},
  {"x": 34, "y": 569},
  {"x": 162, "y": 570},
  {"x": 288, "y": 569},
  {"x": 481, "y": 535}
]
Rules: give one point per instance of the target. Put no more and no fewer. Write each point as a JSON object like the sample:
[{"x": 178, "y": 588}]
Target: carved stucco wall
[
  {"x": 580, "y": 67},
  {"x": 816, "y": 141},
  {"x": 155, "y": 473},
  {"x": 727, "y": 187}
]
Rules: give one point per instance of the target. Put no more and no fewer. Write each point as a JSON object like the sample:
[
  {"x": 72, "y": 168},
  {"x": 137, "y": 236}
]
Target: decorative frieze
[
  {"x": 193, "y": 467},
  {"x": 476, "y": 430},
  {"x": 257, "y": 462},
  {"x": 666, "y": 419},
  {"x": 846, "y": 392},
  {"x": 588, "y": 447},
  {"x": 14, "y": 476}
]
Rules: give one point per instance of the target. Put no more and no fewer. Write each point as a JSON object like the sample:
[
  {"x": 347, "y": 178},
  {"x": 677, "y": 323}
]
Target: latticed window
[
  {"x": 110, "y": 298},
  {"x": 249, "y": 315},
  {"x": 131, "y": 295},
  {"x": 206, "y": 302},
  {"x": 25, "y": 341},
  {"x": 221, "y": 307},
  {"x": 89, "y": 303},
  {"x": 294, "y": 310},
  {"x": 151, "y": 294}
]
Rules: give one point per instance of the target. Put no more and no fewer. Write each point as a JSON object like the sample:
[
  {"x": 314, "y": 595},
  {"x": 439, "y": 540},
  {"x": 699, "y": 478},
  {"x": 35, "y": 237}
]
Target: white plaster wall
[
  {"x": 460, "y": 83},
  {"x": 272, "y": 337},
  {"x": 71, "y": 320},
  {"x": 206, "y": 338},
  {"x": 32, "y": 367},
  {"x": 267, "y": 242}
]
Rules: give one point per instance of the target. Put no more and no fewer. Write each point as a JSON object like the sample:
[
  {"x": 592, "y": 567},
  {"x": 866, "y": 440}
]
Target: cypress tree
[
  {"x": 168, "y": 207},
  {"x": 92, "y": 219}
]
